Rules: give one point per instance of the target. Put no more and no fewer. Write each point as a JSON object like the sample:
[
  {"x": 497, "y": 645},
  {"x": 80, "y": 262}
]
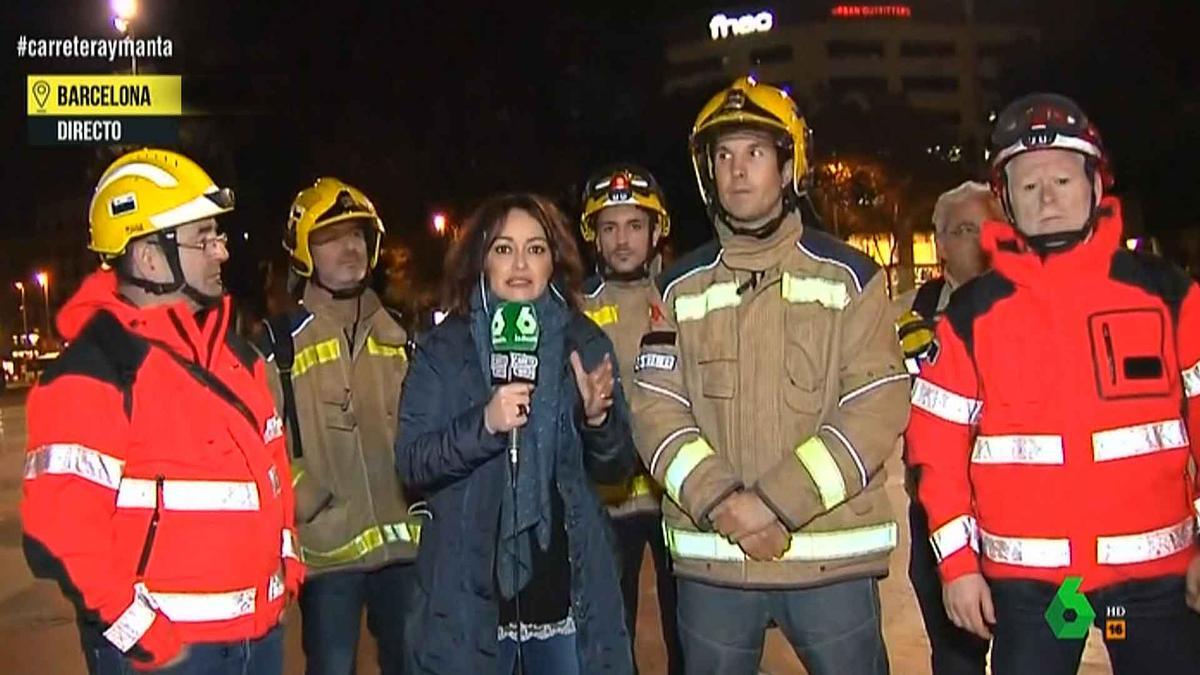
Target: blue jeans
[
  {"x": 555, "y": 656},
  {"x": 835, "y": 629},
  {"x": 263, "y": 656},
  {"x": 1161, "y": 634},
  {"x": 331, "y": 608}
]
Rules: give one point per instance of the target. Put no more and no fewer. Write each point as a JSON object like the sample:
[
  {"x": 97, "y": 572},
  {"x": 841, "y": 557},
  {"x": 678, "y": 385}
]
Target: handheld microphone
[{"x": 515, "y": 335}]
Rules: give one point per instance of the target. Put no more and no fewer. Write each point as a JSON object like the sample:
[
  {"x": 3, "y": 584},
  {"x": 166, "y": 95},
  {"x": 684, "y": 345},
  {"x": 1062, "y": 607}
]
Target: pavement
[{"x": 38, "y": 636}]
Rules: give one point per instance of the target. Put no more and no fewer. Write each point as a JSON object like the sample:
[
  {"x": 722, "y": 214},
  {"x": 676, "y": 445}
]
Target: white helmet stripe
[
  {"x": 199, "y": 208},
  {"x": 1061, "y": 142},
  {"x": 154, "y": 174}
]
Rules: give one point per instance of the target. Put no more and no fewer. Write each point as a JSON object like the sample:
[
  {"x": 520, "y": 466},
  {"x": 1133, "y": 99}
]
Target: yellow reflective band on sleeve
[
  {"x": 376, "y": 348},
  {"x": 603, "y": 316},
  {"x": 297, "y": 474},
  {"x": 640, "y": 485},
  {"x": 804, "y": 546},
  {"x": 685, "y": 461},
  {"x": 696, "y": 306},
  {"x": 370, "y": 539},
  {"x": 314, "y": 355},
  {"x": 827, "y": 293},
  {"x": 820, "y": 465}
]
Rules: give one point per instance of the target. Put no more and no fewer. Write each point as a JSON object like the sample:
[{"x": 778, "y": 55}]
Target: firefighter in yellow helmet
[
  {"x": 625, "y": 216},
  {"x": 156, "y": 478},
  {"x": 767, "y": 398},
  {"x": 341, "y": 361}
]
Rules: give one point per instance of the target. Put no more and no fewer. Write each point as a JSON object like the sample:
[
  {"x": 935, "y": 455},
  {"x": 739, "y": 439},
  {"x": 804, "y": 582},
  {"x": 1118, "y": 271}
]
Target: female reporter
[{"x": 529, "y": 557}]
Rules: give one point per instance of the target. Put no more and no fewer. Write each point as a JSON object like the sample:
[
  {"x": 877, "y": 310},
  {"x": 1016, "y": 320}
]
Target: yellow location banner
[{"x": 108, "y": 95}]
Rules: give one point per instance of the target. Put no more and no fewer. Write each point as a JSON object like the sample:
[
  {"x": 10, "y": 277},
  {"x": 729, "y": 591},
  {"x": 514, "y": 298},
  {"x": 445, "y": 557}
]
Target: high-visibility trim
[
  {"x": 851, "y": 450},
  {"x": 954, "y": 536},
  {"x": 289, "y": 545},
  {"x": 377, "y": 348},
  {"x": 871, "y": 386},
  {"x": 316, "y": 354},
  {"x": 912, "y": 365},
  {"x": 664, "y": 391},
  {"x": 825, "y": 292},
  {"x": 667, "y": 441},
  {"x": 823, "y": 469},
  {"x": 368, "y": 540},
  {"x": 602, "y": 316},
  {"x": 197, "y": 209},
  {"x": 715, "y": 261},
  {"x": 686, "y": 459},
  {"x": 297, "y": 475},
  {"x": 804, "y": 546},
  {"x": 189, "y": 495},
  {"x": 1140, "y": 439},
  {"x": 133, "y": 623},
  {"x": 639, "y": 486},
  {"x": 1191, "y": 380},
  {"x": 1196, "y": 508},
  {"x": 74, "y": 460},
  {"x": 1146, "y": 546},
  {"x": 1018, "y": 449},
  {"x": 944, "y": 403},
  {"x": 276, "y": 586},
  {"x": 853, "y": 275},
  {"x": 1026, "y": 551},
  {"x": 717, "y": 296}
]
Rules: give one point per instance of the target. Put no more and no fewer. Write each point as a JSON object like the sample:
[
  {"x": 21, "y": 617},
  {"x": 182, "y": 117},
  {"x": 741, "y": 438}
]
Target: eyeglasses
[{"x": 210, "y": 245}]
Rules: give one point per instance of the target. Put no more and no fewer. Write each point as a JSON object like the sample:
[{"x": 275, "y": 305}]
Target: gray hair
[{"x": 968, "y": 190}]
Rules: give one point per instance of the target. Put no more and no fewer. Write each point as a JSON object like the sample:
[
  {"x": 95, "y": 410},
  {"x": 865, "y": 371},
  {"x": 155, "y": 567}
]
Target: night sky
[{"x": 434, "y": 105}]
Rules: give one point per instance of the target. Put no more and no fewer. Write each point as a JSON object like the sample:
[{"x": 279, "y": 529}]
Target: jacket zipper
[
  {"x": 1112, "y": 359},
  {"x": 152, "y": 530}
]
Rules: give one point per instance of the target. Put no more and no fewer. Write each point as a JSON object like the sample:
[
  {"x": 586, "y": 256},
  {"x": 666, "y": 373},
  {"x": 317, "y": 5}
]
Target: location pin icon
[{"x": 41, "y": 92}]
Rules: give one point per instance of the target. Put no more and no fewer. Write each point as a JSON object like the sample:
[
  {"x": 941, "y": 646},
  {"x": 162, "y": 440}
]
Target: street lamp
[
  {"x": 43, "y": 279},
  {"x": 439, "y": 224},
  {"x": 24, "y": 316},
  {"x": 124, "y": 12}
]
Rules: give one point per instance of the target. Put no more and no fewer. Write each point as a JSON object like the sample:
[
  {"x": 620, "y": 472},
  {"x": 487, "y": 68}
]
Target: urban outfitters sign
[{"x": 721, "y": 26}]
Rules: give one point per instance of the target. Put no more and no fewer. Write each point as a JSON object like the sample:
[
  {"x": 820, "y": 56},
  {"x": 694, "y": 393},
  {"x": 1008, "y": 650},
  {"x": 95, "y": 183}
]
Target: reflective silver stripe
[
  {"x": 1022, "y": 449},
  {"x": 1140, "y": 439},
  {"x": 1026, "y": 551},
  {"x": 805, "y": 546},
  {"x": 862, "y": 468},
  {"x": 871, "y": 386},
  {"x": 1145, "y": 546},
  {"x": 664, "y": 391},
  {"x": 133, "y": 622},
  {"x": 944, "y": 403},
  {"x": 194, "y": 607},
  {"x": 189, "y": 495},
  {"x": 289, "y": 545},
  {"x": 954, "y": 536},
  {"x": 912, "y": 366},
  {"x": 1191, "y": 380},
  {"x": 1196, "y": 507},
  {"x": 75, "y": 460},
  {"x": 667, "y": 441}
]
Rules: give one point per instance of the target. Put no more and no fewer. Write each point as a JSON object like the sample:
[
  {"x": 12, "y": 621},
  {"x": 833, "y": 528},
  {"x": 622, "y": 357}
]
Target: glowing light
[
  {"x": 721, "y": 26},
  {"x": 871, "y": 12}
]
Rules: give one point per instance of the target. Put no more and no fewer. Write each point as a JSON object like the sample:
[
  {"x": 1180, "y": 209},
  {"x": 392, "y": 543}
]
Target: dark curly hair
[{"x": 465, "y": 260}]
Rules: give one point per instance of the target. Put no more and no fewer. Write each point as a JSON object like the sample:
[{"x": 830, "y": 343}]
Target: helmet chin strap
[
  {"x": 344, "y": 293},
  {"x": 169, "y": 243},
  {"x": 767, "y": 228}
]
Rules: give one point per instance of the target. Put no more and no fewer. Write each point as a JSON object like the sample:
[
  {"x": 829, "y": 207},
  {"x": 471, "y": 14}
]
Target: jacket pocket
[
  {"x": 1129, "y": 358},
  {"x": 804, "y": 358}
]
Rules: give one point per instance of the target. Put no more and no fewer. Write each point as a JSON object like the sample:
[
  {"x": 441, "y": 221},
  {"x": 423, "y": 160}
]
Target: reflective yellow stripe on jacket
[
  {"x": 805, "y": 546},
  {"x": 369, "y": 540}
]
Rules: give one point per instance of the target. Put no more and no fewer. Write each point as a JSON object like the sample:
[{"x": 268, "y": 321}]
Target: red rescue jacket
[
  {"x": 1052, "y": 428},
  {"x": 156, "y": 487}
]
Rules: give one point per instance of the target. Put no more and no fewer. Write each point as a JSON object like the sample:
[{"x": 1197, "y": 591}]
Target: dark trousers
[
  {"x": 331, "y": 608},
  {"x": 1161, "y": 634},
  {"x": 954, "y": 651},
  {"x": 835, "y": 629},
  {"x": 634, "y": 532},
  {"x": 263, "y": 656}
]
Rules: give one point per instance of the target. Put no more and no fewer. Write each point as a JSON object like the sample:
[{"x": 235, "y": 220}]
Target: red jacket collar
[
  {"x": 174, "y": 325},
  {"x": 1012, "y": 257}
]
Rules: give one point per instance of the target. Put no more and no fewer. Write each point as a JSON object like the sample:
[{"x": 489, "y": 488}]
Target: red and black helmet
[{"x": 1042, "y": 122}]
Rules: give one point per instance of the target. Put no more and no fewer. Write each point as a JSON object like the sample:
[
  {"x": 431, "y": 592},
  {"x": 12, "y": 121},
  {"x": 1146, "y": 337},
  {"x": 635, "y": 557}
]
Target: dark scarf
[{"x": 538, "y": 438}]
